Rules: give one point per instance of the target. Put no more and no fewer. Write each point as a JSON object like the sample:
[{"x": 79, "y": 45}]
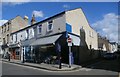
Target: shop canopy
[
  {"x": 14, "y": 46},
  {"x": 46, "y": 40}
]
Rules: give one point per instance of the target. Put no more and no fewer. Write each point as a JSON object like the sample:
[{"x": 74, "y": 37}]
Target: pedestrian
[{"x": 9, "y": 56}]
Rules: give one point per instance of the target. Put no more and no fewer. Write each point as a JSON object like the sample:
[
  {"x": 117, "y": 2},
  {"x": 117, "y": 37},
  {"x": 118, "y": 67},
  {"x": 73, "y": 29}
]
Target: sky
[{"x": 102, "y": 16}]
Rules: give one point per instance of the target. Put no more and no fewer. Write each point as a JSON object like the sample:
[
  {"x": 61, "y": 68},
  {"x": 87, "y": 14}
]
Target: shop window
[{"x": 17, "y": 52}]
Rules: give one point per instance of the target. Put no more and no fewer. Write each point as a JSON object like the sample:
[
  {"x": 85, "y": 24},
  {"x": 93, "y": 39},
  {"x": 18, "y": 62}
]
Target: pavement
[
  {"x": 16, "y": 69},
  {"x": 50, "y": 67}
]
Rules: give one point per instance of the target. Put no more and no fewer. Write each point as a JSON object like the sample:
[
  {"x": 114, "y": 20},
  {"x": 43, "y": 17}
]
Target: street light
[
  {"x": 59, "y": 54},
  {"x": 23, "y": 56}
]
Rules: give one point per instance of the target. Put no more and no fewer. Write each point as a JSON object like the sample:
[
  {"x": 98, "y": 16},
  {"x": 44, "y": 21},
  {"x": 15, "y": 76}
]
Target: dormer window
[
  {"x": 39, "y": 29},
  {"x": 50, "y": 26}
]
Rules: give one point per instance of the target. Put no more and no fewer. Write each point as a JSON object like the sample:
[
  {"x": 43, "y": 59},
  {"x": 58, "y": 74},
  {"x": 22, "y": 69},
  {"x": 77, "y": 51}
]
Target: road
[{"x": 100, "y": 68}]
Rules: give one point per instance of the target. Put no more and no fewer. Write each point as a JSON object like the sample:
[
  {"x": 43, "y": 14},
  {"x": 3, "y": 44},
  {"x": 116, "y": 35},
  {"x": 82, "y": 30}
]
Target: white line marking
[{"x": 85, "y": 69}]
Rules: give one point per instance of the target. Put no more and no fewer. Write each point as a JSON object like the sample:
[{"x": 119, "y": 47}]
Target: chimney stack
[
  {"x": 26, "y": 19},
  {"x": 33, "y": 19}
]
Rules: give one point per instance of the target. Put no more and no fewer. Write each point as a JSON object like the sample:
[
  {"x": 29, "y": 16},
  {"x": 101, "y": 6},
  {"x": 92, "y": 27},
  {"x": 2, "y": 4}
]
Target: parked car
[{"x": 109, "y": 56}]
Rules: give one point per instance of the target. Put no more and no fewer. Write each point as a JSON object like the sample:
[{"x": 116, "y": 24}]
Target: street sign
[{"x": 69, "y": 40}]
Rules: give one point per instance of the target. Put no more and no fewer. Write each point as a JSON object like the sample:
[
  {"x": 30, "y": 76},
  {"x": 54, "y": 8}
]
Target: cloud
[
  {"x": 2, "y": 22},
  {"x": 108, "y": 26},
  {"x": 38, "y": 13},
  {"x": 65, "y": 6},
  {"x": 15, "y": 2}
]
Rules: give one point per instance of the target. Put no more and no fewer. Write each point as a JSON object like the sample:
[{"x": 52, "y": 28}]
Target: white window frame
[
  {"x": 31, "y": 33},
  {"x": 50, "y": 22},
  {"x": 27, "y": 34},
  {"x": 38, "y": 28}
]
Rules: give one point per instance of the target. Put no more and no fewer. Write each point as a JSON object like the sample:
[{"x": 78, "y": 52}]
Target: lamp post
[
  {"x": 69, "y": 41},
  {"x": 59, "y": 54},
  {"x": 23, "y": 56},
  {"x": 8, "y": 53}
]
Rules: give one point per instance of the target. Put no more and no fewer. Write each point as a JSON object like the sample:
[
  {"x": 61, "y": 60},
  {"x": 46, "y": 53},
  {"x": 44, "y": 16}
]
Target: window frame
[
  {"x": 4, "y": 28},
  {"x": 27, "y": 32},
  {"x": 50, "y": 23},
  {"x": 38, "y": 29},
  {"x": 8, "y": 28}
]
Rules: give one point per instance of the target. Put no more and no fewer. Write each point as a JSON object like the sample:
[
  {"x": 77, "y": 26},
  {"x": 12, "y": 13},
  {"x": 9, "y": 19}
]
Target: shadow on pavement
[{"x": 110, "y": 65}]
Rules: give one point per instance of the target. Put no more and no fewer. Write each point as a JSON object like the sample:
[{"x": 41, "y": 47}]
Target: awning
[
  {"x": 4, "y": 46},
  {"x": 27, "y": 42},
  {"x": 46, "y": 40},
  {"x": 14, "y": 46}
]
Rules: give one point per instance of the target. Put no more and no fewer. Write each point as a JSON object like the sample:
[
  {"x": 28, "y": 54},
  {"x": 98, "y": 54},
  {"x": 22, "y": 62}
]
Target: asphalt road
[{"x": 101, "y": 68}]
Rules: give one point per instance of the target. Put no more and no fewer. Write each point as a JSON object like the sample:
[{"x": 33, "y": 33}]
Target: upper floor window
[
  {"x": 12, "y": 37},
  {"x": 8, "y": 28},
  {"x": 4, "y": 28},
  {"x": 9, "y": 23},
  {"x": 16, "y": 38},
  {"x": 39, "y": 29},
  {"x": 31, "y": 33},
  {"x": 7, "y": 38},
  {"x": 50, "y": 26}
]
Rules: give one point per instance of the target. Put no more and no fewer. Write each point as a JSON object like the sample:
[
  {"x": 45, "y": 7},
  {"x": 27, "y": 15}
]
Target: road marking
[{"x": 85, "y": 69}]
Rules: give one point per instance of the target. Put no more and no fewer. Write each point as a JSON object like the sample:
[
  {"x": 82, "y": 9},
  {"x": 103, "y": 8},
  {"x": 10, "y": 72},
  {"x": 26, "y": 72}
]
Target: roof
[
  {"x": 11, "y": 19},
  {"x": 51, "y": 18},
  {"x": 40, "y": 22}
]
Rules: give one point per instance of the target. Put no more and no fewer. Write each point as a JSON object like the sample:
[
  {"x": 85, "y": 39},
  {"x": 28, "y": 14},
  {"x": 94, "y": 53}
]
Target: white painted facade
[
  {"x": 1, "y": 52},
  {"x": 76, "y": 18},
  {"x": 113, "y": 47},
  {"x": 22, "y": 35}
]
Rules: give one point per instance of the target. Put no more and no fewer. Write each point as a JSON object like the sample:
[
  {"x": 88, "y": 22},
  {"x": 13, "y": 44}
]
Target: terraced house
[
  {"x": 41, "y": 40},
  {"x": 9, "y": 27}
]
